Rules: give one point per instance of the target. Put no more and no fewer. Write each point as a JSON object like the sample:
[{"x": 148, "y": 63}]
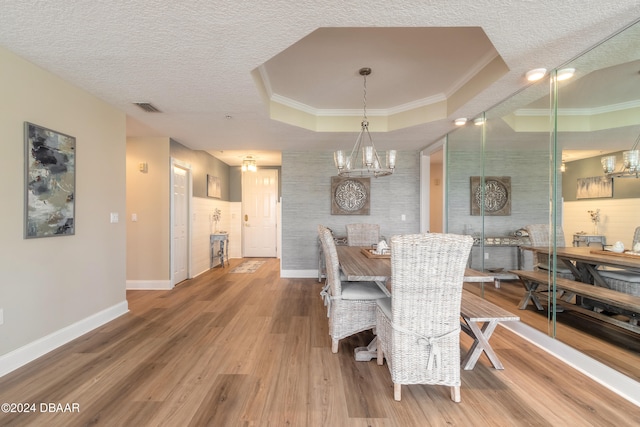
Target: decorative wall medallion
[
  {"x": 497, "y": 195},
  {"x": 350, "y": 196}
]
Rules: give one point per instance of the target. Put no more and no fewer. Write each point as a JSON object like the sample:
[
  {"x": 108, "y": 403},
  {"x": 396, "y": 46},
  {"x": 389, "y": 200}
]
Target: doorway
[
  {"x": 433, "y": 189},
  {"x": 259, "y": 213},
  {"x": 436, "y": 191},
  {"x": 180, "y": 224}
]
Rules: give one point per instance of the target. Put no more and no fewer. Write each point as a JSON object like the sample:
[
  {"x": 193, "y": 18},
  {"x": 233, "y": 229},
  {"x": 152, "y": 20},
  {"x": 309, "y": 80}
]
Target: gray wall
[
  {"x": 306, "y": 202},
  {"x": 202, "y": 164},
  {"x": 623, "y": 188}
]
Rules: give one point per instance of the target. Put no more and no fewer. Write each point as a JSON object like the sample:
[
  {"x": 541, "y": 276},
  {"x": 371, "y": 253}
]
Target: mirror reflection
[{"x": 563, "y": 153}]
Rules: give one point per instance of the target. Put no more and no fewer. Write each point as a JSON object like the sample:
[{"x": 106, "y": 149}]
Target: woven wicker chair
[
  {"x": 539, "y": 234},
  {"x": 419, "y": 329},
  {"x": 351, "y": 306},
  {"x": 363, "y": 234}
]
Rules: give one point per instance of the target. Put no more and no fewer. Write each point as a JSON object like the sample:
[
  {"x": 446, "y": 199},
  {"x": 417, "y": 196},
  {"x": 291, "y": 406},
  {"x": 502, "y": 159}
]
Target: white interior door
[
  {"x": 180, "y": 224},
  {"x": 259, "y": 216}
]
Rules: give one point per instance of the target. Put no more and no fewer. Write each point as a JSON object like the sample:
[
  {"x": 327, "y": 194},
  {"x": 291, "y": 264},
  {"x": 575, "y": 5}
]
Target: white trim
[
  {"x": 149, "y": 285},
  {"x": 425, "y": 184},
  {"x": 298, "y": 274},
  {"x": 599, "y": 372},
  {"x": 27, "y": 353}
]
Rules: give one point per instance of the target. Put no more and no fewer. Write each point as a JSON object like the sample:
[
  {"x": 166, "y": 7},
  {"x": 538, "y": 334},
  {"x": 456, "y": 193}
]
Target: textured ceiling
[{"x": 196, "y": 60}]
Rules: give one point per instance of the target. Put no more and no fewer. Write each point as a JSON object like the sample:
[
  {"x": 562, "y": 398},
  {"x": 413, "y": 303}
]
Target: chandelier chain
[{"x": 364, "y": 99}]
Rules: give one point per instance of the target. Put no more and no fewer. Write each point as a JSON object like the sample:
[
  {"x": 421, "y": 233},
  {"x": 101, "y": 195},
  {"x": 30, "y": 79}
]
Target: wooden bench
[
  {"x": 532, "y": 279},
  {"x": 475, "y": 310}
]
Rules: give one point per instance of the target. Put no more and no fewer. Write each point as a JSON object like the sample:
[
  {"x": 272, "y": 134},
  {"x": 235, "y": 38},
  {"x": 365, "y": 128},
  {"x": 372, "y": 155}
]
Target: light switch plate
[{"x": 114, "y": 217}]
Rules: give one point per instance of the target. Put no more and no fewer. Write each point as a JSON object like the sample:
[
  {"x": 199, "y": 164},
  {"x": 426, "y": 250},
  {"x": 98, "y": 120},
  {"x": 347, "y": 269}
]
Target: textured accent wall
[
  {"x": 306, "y": 202},
  {"x": 529, "y": 172}
]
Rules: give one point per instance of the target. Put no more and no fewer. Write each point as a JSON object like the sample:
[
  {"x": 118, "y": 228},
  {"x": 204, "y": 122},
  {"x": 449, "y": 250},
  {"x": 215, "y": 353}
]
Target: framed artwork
[
  {"x": 350, "y": 196},
  {"x": 50, "y": 182},
  {"x": 594, "y": 187},
  {"x": 213, "y": 187},
  {"x": 497, "y": 195}
]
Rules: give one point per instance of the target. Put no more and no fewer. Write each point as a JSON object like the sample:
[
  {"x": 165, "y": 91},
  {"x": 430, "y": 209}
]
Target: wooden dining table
[{"x": 357, "y": 266}]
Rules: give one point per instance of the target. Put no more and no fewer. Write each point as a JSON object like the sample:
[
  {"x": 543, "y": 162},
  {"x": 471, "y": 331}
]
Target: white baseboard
[
  {"x": 149, "y": 285},
  {"x": 299, "y": 274},
  {"x": 610, "y": 378},
  {"x": 28, "y": 353}
]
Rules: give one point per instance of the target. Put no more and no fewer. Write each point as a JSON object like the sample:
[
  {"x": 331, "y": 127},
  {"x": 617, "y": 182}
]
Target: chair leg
[
  {"x": 334, "y": 345},
  {"x": 455, "y": 393},
  {"x": 380, "y": 358},
  {"x": 396, "y": 391}
]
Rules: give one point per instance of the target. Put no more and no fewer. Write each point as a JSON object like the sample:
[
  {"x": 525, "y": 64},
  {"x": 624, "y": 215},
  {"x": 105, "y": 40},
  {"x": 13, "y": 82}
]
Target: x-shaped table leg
[
  {"x": 480, "y": 344},
  {"x": 530, "y": 287}
]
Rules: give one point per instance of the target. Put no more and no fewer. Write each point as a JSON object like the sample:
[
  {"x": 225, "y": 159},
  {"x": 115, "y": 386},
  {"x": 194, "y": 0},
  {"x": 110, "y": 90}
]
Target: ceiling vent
[{"x": 149, "y": 108}]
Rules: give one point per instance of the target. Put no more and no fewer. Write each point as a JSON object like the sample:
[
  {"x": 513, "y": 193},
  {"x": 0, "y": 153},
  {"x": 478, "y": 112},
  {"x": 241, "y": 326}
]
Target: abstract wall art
[
  {"x": 594, "y": 187},
  {"x": 213, "y": 187},
  {"x": 50, "y": 182}
]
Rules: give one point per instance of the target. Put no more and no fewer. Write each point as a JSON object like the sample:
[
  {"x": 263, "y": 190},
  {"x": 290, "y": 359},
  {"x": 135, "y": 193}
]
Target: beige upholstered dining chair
[
  {"x": 419, "y": 328},
  {"x": 351, "y": 306},
  {"x": 362, "y": 234},
  {"x": 539, "y": 234}
]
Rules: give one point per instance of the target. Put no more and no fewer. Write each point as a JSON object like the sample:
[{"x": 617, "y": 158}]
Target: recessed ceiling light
[
  {"x": 536, "y": 74},
  {"x": 479, "y": 121},
  {"x": 565, "y": 73},
  {"x": 460, "y": 122}
]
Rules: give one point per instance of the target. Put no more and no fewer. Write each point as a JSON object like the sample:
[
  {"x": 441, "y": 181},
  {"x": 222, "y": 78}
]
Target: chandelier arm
[
  {"x": 635, "y": 144},
  {"x": 353, "y": 158}
]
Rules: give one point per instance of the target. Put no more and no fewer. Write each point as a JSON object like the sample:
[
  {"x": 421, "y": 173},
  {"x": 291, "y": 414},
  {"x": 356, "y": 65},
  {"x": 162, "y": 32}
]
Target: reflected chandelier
[
  {"x": 370, "y": 163},
  {"x": 630, "y": 163}
]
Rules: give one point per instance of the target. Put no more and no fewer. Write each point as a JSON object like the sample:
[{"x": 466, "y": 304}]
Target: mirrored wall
[{"x": 537, "y": 159}]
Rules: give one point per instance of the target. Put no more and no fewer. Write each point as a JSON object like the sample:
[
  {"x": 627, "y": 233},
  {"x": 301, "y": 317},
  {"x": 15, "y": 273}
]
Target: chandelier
[
  {"x": 630, "y": 163},
  {"x": 364, "y": 160},
  {"x": 249, "y": 164}
]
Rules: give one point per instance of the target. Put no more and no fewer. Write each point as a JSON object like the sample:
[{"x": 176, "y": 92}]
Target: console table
[
  {"x": 223, "y": 239},
  {"x": 588, "y": 239},
  {"x": 500, "y": 242}
]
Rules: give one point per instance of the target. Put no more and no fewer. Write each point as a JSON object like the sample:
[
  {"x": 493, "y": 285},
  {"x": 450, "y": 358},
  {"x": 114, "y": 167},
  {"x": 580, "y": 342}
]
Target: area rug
[{"x": 247, "y": 267}]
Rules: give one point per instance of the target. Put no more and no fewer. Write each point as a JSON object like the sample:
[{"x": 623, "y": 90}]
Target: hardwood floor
[{"x": 229, "y": 349}]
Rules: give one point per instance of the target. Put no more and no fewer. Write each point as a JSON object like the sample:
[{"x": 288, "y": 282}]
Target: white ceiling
[{"x": 214, "y": 67}]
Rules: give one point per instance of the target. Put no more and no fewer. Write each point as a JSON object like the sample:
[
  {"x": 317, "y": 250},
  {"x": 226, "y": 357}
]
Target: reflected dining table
[
  {"x": 356, "y": 266},
  {"x": 584, "y": 262}
]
